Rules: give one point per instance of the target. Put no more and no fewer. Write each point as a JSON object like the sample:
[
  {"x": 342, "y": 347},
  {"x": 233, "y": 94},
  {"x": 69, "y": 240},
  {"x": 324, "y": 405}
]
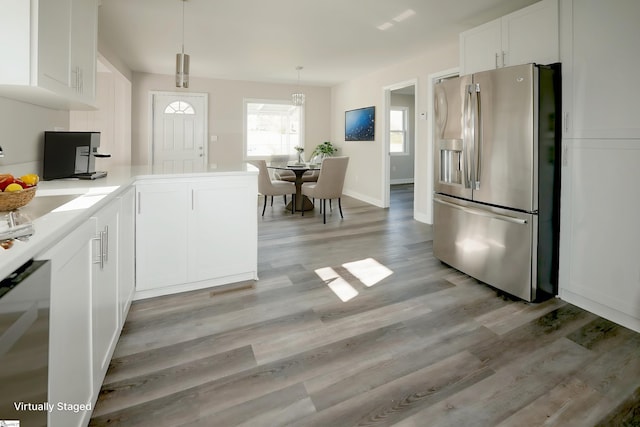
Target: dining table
[{"x": 302, "y": 202}]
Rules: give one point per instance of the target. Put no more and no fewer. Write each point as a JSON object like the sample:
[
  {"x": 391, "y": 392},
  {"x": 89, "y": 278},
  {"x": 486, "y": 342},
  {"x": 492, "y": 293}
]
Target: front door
[{"x": 179, "y": 132}]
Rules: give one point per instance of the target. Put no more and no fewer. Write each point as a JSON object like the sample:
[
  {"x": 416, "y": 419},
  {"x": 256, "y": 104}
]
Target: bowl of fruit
[{"x": 17, "y": 192}]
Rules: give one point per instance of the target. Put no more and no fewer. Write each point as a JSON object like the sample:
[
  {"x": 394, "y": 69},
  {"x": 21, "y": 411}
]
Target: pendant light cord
[{"x": 183, "y": 25}]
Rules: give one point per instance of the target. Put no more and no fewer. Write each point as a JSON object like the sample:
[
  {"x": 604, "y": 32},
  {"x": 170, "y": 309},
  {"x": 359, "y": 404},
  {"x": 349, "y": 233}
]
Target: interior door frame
[
  {"x": 152, "y": 95},
  {"x": 386, "y": 156}
]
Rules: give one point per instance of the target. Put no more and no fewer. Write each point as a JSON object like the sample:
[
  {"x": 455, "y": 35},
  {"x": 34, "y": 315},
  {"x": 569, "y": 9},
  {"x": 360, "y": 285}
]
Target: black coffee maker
[{"x": 71, "y": 155}]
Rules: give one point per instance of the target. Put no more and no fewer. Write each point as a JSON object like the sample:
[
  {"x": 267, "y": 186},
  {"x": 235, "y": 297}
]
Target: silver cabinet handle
[
  {"x": 139, "y": 203},
  {"x": 496, "y": 59},
  {"x": 103, "y": 247},
  {"x": 483, "y": 213},
  {"x": 105, "y": 244},
  {"x": 98, "y": 259}
]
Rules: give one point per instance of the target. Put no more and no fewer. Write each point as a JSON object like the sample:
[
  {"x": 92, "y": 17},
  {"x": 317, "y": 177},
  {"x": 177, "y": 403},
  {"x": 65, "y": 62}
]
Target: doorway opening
[
  {"x": 179, "y": 131},
  {"x": 400, "y": 136}
]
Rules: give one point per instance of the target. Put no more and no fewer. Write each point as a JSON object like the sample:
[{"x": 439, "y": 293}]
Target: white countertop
[{"x": 85, "y": 197}]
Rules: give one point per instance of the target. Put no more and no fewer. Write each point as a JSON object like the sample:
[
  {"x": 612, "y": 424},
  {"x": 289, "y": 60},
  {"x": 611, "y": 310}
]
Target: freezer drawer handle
[{"x": 483, "y": 213}]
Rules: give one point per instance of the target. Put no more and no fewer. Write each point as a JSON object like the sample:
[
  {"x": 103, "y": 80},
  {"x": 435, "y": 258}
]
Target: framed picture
[{"x": 359, "y": 124}]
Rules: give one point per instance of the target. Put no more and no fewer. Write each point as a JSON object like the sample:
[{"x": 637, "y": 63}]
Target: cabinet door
[
  {"x": 161, "y": 234},
  {"x": 70, "y": 363},
  {"x": 223, "y": 228},
  {"x": 54, "y": 52},
  {"x": 480, "y": 48},
  {"x": 531, "y": 35},
  {"x": 84, "y": 25},
  {"x": 104, "y": 291},
  {"x": 599, "y": 68},
  {"x": 15, "y": 25},
  {"x": 126, "y": 253}
]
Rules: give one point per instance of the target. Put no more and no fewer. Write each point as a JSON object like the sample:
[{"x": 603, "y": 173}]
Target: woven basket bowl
[{"x": 16, "y": 199}]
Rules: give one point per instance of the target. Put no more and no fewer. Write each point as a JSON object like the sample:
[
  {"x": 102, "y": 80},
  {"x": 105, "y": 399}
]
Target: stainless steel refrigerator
[{"x": 497, "y": 167}]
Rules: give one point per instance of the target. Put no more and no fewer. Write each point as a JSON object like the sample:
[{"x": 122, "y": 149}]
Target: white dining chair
[
  {"x": 329, "y": 185},
  {"x": 268, "y": 187}
]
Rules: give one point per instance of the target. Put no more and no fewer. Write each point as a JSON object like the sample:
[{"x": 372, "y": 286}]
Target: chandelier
[
  {"x": 182, "y": 60},
  {"x": 298, "y": 97}
]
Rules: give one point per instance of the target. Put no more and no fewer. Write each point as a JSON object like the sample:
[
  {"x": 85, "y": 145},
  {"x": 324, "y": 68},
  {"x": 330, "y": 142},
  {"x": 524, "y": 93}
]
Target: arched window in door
[{"x": 179, "y": 107}]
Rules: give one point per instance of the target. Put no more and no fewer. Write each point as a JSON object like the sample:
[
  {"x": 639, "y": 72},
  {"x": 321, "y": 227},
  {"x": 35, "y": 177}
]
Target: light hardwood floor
[{"x": 416, "y": 343}]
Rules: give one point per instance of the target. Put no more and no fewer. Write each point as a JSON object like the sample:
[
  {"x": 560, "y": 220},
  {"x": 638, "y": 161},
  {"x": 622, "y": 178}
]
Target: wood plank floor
[{"x": 355, "y": 323}]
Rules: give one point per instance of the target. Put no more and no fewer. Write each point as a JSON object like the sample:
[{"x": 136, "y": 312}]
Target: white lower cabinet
[
  {"x": 70, "y": 348},
  {"x": 126, "y": 253},
  {"x": 223, "y": 229},
  {"x": 161, "y": 234},
  {"x": 92, "y": 282},
  {"x": 195, "y": 233},
  {"x": 105, "y": 316}
]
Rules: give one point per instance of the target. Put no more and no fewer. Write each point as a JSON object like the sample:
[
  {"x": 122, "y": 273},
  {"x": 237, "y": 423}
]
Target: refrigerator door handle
[
  {"x": 478, "y": 135},
  {"x": 467, "y": 138},
  {"x": 482, "y": 213}
]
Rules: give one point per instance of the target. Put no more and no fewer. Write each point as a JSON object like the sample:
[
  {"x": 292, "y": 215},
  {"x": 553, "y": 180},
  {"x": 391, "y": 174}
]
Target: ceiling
[{"x": 264, "y": 40}]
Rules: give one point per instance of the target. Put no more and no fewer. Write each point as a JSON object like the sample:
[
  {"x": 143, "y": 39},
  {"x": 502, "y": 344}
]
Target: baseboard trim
[
  {"x": 363, "y": 198},
  {"x": 402, "y": 181},
  {"x": 600, "y": 309},
  {"x": 185, "y": 287},
  {"x": 418, "y": 216}
]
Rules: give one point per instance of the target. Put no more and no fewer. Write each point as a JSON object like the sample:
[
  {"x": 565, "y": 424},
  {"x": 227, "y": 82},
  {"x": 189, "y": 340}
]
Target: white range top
[{"x": 74, "y": 201}]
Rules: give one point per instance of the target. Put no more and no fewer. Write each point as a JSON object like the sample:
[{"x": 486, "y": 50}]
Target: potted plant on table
[{"x": 326, "y": 149}]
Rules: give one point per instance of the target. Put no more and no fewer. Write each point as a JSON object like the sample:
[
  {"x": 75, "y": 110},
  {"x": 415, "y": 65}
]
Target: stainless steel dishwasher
[{"x": 24, "y": 344}]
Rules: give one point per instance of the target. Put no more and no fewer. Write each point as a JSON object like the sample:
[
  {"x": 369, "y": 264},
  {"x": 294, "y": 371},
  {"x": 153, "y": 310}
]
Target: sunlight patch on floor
[
  {"x": 368, "y": 271},
  {"x": 337, "y": 284}
]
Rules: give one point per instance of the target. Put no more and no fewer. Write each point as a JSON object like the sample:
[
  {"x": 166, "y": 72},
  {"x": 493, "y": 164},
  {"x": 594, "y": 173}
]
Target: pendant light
[
  {"x": 298, "y": 97},
  {"x": 182, "y": 60}
]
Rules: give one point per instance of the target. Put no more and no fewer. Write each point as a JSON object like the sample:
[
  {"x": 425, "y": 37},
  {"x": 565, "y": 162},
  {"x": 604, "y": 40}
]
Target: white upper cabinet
[
  {"x": 51, "y": 59},
  {"x": 481, "y": 48},
  {"x": 53, "y": 55},
  {"x": 600, "y": 65},
  {"x": 84, "y": 39},
  {"x": 527, "y": 35}
]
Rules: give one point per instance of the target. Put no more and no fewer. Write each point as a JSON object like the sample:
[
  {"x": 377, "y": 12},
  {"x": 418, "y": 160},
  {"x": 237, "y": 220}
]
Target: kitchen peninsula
[{"x": 136, "y": 233}]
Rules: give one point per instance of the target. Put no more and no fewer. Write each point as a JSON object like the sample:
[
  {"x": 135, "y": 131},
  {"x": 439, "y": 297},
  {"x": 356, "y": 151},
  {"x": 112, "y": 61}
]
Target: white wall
[
  {"x": 365, "y": 178},
  {"x": 22, "y": 127},
  {"x": 226, "y": 112}
]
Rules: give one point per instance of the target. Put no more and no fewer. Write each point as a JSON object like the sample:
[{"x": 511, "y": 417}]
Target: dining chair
[
  {"x": 267, "y": 187},
  {"x": 329, "y": 185}
]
